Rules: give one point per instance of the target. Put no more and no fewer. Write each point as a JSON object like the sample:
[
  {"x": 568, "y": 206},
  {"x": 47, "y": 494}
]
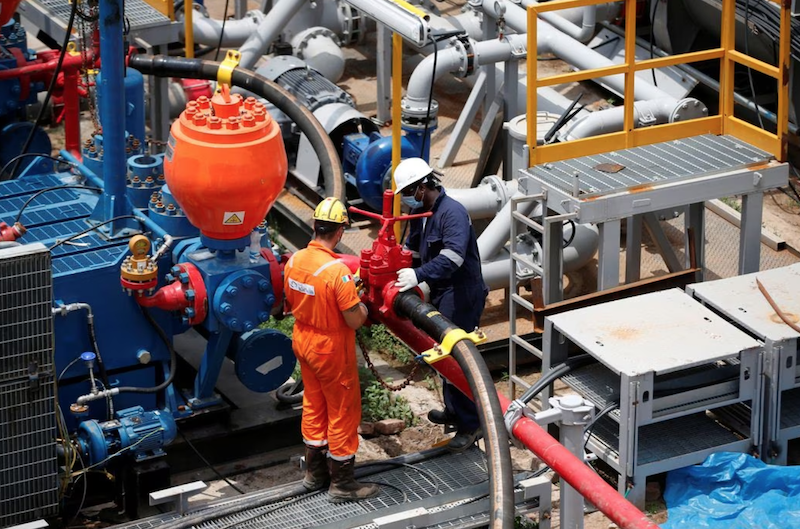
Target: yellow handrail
[{"x": 723, "y": 123}]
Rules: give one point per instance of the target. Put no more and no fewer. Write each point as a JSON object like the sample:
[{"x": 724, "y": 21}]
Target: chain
[
  {"x": 92, "y": 18},
  {"x": 381, "y": 381}
]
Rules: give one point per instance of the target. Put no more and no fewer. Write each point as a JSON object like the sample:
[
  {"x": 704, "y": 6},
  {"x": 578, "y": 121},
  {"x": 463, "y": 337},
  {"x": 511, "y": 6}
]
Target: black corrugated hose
[
  {"x": 501, "y": 478},
  {"x": 332, "y": 173}
]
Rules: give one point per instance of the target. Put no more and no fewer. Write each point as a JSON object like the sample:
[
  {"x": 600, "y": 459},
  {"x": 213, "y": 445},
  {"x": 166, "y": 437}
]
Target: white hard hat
[{"x": 411, "y": 171}]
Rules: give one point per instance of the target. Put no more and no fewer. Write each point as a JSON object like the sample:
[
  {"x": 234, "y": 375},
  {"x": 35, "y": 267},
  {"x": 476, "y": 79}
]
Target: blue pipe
[
  {"x": 112, "y": 117},
  {"x": 95, "y": 180}
]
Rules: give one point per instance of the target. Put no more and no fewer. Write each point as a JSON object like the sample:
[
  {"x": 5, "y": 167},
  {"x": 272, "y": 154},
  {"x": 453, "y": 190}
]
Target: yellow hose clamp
[
  {"x": 443, "y": 350},
  {"x": 225, "y": 71}
]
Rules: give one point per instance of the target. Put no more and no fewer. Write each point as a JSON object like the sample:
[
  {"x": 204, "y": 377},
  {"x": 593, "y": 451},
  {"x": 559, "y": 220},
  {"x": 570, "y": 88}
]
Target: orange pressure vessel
[{"x": 225, "y": 164}]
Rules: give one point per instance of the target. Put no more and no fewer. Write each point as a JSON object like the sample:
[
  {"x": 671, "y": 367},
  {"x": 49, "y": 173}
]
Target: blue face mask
[{"x": 411, "y": 202}]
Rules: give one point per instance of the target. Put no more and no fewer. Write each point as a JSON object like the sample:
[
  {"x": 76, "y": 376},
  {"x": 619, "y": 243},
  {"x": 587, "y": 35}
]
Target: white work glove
[{"x": 406, "y": 279}]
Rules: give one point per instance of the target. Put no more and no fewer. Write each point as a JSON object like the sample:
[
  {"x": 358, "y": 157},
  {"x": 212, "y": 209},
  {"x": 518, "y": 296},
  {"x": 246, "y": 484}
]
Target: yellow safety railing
[{"x": 723, "y": 123}]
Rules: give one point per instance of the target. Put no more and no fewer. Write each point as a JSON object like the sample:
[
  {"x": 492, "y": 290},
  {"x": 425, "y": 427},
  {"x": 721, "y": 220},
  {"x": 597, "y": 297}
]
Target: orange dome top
[{"x": 225, "y": 164}]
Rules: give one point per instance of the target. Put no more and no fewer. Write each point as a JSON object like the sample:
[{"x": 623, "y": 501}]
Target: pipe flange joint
[
  {"x": 688, "y": 108},
  {"x": 443, "y": 350},
  {"x": 301, "y": 41},
  {"x": 475, "y": 3},
  {"x": 463, "y": 44},
  {"x": 415, "y": 114}
]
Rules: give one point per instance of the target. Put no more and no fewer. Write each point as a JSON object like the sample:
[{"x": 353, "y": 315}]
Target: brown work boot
[
  {"x": 316, "y": 467},
  {"x": 344, "y": 487}
]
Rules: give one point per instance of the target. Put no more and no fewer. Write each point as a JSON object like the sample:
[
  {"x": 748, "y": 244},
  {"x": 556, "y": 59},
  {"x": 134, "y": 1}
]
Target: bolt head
[
  {"x": 233, "y": 323},
  {"x": 248, "y": 282},
  {"x": 263, "y": 285},
  {"x": 248, "y": 326},
  {"x": 175, "y": 270},
  {"x": 189, "y": 295},
  {"x": 185, "y": 320},
  {"x": 263, "y": 316},
  {"x": 225, "y": 308},
  {"x": 232, "y": 291},
  {"x": 189, "y": 312},
  {"x": 169, "y": 278},
  {"x": 184, "y": 277}
]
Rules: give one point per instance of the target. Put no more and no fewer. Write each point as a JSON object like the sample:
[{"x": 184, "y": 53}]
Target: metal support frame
[
  {"x": 608, "y": 254},
  {"x": 634, "y": 440},
  {"x": 384, "y": 74},
  {"x": 750, "y": 232},
  {"x": 179, "y": 495},
  {"x": 739, "y": 300},
  {"x": 158, "y": 93},
  {"x": 633, "y": 248},
  {"x": 465, "y": 120}
]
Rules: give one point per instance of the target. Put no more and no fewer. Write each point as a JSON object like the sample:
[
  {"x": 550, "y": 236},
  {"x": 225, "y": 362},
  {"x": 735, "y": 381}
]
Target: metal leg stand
[
  {"x": 750, "y": 234},
  {"x": 510, "y": 81},
  {"x": 633, "y": 249},
  {"x": 608, "y": 274},
  {"x": 662, "y": 243}
]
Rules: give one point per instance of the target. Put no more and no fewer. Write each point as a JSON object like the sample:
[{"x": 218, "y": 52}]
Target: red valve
[
  {"x": 11, "y": 233},
  {"x": 379, "y": 264}
]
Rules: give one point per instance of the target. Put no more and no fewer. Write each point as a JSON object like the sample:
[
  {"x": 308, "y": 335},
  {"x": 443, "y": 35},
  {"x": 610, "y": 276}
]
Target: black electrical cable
[
  {"x": 173, "y": 360},
  {"x": 47, "y": 190},
  {"x": 747, "y": 52},
  {"x": 26, "y": 155},
  {"x": 240, "y": 522},
  {"x": 53, "y": 80},
  {"x": 85, "y": 484},
  {"x": 654, "y": 10},
  {"x": 587, "y": 432},
  {"x": 554, "y": 373},
  {"x": 430, "y": 98},
  {"x": 87, "y": 230},
  {"x": 222, "y": 30},
  {"x": 571, "y": 235},
  {"x": 72, "y": 363},
  {"x": 211, "y": 467}
]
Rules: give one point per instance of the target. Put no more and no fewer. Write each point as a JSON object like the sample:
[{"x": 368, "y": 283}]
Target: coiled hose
[
  {"x": 332, "y": 173},
  {"x": 501, "y": 478}
]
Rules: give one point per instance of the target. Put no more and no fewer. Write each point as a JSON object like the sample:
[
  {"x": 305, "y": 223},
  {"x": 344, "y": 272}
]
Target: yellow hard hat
[{"x": 331, "y": 210}]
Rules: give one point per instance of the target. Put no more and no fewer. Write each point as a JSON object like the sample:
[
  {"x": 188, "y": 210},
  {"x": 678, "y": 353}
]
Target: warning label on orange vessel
[{"x": 232, "y": 218}]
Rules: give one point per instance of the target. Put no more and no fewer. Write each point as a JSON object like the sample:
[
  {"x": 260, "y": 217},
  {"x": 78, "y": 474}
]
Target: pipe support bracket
[{"x": 443, "y": 350}]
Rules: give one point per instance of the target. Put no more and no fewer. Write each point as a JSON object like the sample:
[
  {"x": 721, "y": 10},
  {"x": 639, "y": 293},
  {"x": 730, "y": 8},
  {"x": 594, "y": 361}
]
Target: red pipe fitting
[
  {"x": 185, "y": 292},
  {"x": 11, "y": 233}
]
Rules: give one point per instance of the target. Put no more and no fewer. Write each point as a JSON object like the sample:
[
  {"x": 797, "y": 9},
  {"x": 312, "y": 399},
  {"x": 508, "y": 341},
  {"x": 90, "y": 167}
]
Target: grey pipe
[
  {"x": 582, "y": 34},
  {"x": 581, "y": 250},
  {"x": 453, "y": 60},
  {"x": 207, "y": 29},
  {"x": 571, "y": 51},
  {"x": 267, "y": 31},
  {"x": 645, "y": 113},
  {"x": 495, "y": 235},
  {"x": 485, "y": 200}
]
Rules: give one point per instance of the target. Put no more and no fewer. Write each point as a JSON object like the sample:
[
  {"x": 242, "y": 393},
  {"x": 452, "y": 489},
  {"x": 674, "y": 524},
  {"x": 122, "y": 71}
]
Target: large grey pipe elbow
[
  {"x": 267, "y": 31},
  {"x": 207, "y": 30},
  {"x": 645, "y": 113}
]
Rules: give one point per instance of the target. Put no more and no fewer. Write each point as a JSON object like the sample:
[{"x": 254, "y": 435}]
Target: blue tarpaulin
[{"x": 733, "y": 491}]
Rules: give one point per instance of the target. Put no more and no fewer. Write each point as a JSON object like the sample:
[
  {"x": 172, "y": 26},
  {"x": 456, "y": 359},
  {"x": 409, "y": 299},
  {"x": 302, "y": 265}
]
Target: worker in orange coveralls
[{"x": 322, "y": 295}]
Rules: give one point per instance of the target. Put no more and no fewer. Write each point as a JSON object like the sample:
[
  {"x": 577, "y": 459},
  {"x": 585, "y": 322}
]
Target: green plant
[
  {"x": 379, "y": 339},
  {"x": 523, "y": 522},
  {"x": 379, "y": 403},
  {"x": 732, "y": 202},
  {"x": 365, "y": 378},
  {"x": 285, "y": 325}
]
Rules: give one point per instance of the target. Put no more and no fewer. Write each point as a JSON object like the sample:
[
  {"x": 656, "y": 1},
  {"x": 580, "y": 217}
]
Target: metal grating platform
[
  {"x": 650, "y": 164},
  {"x": 667, "y": 440},
  {"x": 146, "y": 23},
  {"x": 453, "y": 472}
]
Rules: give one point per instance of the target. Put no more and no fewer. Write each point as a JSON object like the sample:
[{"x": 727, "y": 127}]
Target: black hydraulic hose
[
  {"x": 332, "y": 173},
  {"x": 501, "y": 476},
  {"x": 291, "y": 393},
  {"x": 553, "y": 374}
]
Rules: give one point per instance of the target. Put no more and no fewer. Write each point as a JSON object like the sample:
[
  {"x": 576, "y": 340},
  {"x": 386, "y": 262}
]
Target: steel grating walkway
[
  {"x": 459, "y": 478},
  {"x": 650, "y": 164}
]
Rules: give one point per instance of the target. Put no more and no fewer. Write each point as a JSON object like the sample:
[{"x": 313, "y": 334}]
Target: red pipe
[
  {"x": 72, "y": 111},
  {"x": 73, "y": 62},
  {"x": 574, "y": 471}
]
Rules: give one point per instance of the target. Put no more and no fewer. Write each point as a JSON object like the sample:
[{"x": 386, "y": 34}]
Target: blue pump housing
[{"x": 367, "y": 160}]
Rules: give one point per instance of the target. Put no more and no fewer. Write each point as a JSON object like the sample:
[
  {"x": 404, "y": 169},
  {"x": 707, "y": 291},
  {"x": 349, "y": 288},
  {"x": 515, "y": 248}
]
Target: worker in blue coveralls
[{"x": 450, "y": 265}]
